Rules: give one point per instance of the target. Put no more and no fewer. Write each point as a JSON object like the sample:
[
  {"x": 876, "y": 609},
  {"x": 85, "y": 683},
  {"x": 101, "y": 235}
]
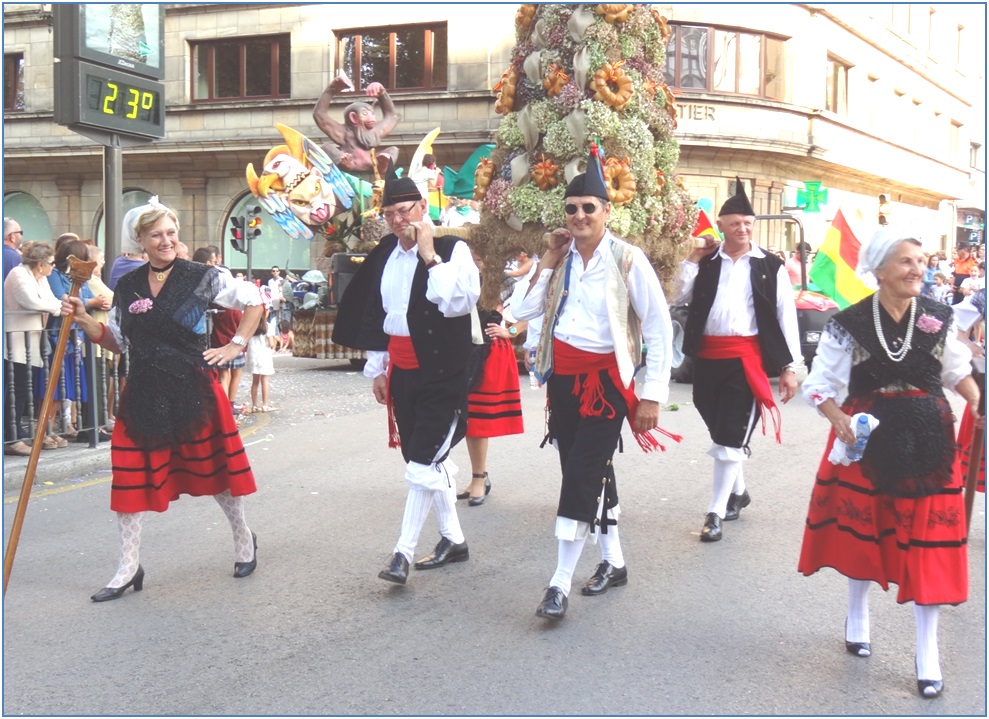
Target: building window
[
  {"x": 250, "y": 68},
  {"x": 836, "y": 99},
  {"x": 13, "y": 82},
  {"x": 975, "y": 156},
  {"x": 724, "y": 60},
  {"x": 409, "y": 57},
  {"x": 954, "y": 133}
]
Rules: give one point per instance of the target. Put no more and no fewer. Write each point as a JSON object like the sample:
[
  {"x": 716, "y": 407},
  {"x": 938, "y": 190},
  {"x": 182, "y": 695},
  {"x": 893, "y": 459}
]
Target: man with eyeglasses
[
  {"x": 742, "y": 322},
  {"x": 408, "y": 305},
  {"x": 601, "y": 298},
  {"x": 12, "y": 236}
]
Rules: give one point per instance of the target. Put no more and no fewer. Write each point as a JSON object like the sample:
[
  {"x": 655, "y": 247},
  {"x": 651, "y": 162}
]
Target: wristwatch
[
  {"x": 433, "y": 261},
  {"x": 513, "y": 330},
  {"x": 239, "y": 341}
]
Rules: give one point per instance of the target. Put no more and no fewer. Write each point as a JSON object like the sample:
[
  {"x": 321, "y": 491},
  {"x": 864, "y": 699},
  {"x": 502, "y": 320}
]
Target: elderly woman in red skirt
[
  {"x": 896, "y": 516},
  {"x": 494, "y": 404},
  {"x": 174, "y": 434}
]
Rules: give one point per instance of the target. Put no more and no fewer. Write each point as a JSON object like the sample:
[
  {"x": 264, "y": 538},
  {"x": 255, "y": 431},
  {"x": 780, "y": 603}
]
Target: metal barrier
[{"x": 88, "y": 386}]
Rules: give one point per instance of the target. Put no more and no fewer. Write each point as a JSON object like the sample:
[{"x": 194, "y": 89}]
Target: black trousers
[
  {"x": 15, "y": 425},
  {"x": 425, "y": 410},
  {"x": 724, "y": 400},
  {"x": 586, "y": 445}
]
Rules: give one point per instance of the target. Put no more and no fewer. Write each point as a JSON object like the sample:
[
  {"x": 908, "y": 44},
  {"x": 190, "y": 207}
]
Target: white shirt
[
  {"x": 453, "y": 286},
  {"x": 584, "y": 322},
  {"x": 733, "y": 312}
]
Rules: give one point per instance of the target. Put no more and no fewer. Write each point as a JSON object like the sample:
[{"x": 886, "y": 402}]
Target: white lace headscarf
[
  {"x": 875, "y": 253},
  {"x": 132, "y": 219}
]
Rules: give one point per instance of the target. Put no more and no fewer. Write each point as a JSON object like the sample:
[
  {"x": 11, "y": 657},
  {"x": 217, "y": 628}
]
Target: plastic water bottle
[
  {"x": 533, "y": 382},
  {"x": 862, "y": 431}
]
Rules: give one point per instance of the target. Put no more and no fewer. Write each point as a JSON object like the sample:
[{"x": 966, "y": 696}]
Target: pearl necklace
[
  {"x": 902, "y": 352},
  {"x": 160, "y": 276}
]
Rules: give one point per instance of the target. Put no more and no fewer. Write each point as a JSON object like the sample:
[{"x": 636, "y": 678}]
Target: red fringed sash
[
  {"x": 747, "y": 350},
  {"x": 568, "y": 360},
  {"x": 401, "y": 354}
]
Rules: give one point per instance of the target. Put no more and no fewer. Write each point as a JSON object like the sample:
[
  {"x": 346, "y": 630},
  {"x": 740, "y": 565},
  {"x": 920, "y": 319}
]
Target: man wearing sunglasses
[
  {"x": 601, "y": 299},
  {"x": 742, "y": 319},
  {"x": 409, "y": 306}
]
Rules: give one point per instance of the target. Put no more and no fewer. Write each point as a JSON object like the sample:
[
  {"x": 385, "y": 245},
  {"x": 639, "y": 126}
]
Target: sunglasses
[{"x": 589, "y": 208}]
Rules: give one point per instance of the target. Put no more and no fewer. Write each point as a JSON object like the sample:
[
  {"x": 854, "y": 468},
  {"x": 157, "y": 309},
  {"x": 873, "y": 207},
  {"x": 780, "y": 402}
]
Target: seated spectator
[{"x": 285, "y": 338}]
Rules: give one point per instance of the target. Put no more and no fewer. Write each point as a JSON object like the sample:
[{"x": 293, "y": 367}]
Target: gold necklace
[{"x": 161, "y": 270}]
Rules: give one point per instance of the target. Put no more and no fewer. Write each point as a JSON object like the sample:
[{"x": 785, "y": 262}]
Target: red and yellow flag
[
  {"x": 704, "y": 227},
  {"x": 835, "y": 262}
]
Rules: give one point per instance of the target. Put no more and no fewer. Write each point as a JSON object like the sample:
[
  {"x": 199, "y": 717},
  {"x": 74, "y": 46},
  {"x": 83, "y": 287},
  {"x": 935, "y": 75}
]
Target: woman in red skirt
[
  {"x": 174, "y": 432},
  {"x": 896, "y": 516},
  {"x": 494, "y": 404}
]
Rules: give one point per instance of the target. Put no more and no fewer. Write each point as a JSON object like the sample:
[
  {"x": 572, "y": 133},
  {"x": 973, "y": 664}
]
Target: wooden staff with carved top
[{"x": 79, "y": 272}]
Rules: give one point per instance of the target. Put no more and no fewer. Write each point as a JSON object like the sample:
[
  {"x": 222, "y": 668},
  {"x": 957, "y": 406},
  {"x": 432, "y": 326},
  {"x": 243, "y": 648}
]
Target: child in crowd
[
  {"x": 285, "y": 338},
  {"x": 942, "y": 290},
  {"x": 260, "y": 360}
]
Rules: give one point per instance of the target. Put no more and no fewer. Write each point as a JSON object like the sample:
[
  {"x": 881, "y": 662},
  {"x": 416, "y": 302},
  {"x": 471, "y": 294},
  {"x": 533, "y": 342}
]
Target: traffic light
[
  {"x": 239, "y": 239},
  {"x": 884, "y": 210},
  {"x": 253, "y": 221}
]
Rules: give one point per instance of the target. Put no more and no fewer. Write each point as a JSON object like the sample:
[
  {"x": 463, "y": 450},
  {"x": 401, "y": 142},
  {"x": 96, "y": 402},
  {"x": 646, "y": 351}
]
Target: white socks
[
  {"x": 726, "y": 473},
  {"x": 129, "y": 526},
  {"x": 567, "y": 556},
  {"x": 233, "y": 507},
  {"x": 928, "y": 659},
  {"x": 417, "y": 506},
  {"x": 445, "y": 502},
  {"x": 611, "y": 548},
  {"x": 857, "y": 620}
]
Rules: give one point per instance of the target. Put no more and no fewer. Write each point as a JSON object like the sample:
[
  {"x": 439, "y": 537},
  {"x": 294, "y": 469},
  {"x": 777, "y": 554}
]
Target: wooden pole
[{"x": 79, "y": 273}]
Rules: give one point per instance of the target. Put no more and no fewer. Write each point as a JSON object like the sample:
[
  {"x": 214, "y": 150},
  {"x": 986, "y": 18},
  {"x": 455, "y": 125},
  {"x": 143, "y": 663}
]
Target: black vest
[
  {"x": 442, "y": 344},
  {"x": 772, "y": 343}
]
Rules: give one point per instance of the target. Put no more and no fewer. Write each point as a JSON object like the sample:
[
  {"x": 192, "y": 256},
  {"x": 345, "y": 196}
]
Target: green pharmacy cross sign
[{"x": 812, "y": 196}]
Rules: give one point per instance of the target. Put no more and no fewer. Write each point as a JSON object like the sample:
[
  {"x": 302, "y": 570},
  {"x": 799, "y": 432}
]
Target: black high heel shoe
[
  {"x": 108, "y": 593},
  {"x": 858, "y": 649},
  {"x": 478, "y": 501},
  {"x": 928, "y": 688},
  {"x": 244, "y": 569},
  {"x": 487, "y": 486}
]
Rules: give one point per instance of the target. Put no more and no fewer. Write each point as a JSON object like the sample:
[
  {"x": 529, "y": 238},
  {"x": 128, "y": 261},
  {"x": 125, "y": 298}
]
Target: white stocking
[
  {"x": 445, "y": 501},
  {"x": 739, "y": 485},
  {"x": 857, "y": 621},
  {"x": 725, "y": 472},
  {"x": 567, "y": 556},
  {"x": 233, "y": 507},
  {"x": 928, "y": 659},
  {"x": 417, "y": 506},
  {"x": 611, "y": 548},
  {"x": 129, "y": 526}
]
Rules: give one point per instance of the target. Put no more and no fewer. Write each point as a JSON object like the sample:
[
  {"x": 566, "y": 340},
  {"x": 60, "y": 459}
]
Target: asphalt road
[{"x": 725, "y": 628}]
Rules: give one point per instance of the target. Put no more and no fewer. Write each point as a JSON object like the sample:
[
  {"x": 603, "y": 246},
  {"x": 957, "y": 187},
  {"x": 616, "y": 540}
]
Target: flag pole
[{"x": 79, "y": 272}]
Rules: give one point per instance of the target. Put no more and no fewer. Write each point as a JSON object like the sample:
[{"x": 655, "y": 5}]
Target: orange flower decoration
[
  {"x": 523, "y": 18},
  {"x": 650, "y": 86},
  {"x": 671, "y": 106},
  {"x": 614, "y": 13},
  {"x": 664, "y": 27},
  {"x": 612, "y": 86},
  {"x": 482, "y": 178},
  {"x": 660, "y": 181},
  {"x": 555, "y": 80},
  {"x": 506, "y": 91},
  {"x": 619, "y": 180},
  {"x": 544, "y": 174}
]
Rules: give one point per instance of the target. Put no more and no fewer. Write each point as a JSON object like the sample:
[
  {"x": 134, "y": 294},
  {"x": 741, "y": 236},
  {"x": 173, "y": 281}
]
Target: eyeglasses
[
  {"x": 390, "y": 215},
  {"x": 49, "y": 262},
  {"x": 589, "y": 208}
]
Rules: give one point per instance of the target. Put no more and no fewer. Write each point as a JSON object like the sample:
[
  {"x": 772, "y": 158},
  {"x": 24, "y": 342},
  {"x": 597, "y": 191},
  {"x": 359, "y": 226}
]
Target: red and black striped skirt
[
  {"x": 213, "y": 462},
  {"x": 917, "y": 544},
  {"x": 494, "y": 408},
  {"x": 965, "y": 435}
]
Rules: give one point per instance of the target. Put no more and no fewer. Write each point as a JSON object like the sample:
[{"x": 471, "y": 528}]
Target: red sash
[
  {"x": 747, "y": 350},
  {"x": 568, "y": 360},
  {"x": 401, "y": 354}
]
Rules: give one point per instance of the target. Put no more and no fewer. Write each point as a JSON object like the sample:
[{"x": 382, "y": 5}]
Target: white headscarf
[
  {"x": 880, "y": 247},
  {"x": 128, "y": 235}
]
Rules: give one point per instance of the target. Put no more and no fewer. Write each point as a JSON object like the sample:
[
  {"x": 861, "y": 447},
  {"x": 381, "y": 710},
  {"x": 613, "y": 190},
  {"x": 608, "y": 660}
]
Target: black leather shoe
[
  {"x": 858, "y": 649},
  {"x": 736, "y": 503},
  {"x": 108, "y": 593},
  {"x": 605, "y": 576},
  {"x": 397, "y": 570},
  {"x": 930, "y": 688},
  {"x": 711, "y": 531},
  {"x": 554, "y": 604},
  {"x": 245, "y": 569},
  {"x": 446, "y": 552}
]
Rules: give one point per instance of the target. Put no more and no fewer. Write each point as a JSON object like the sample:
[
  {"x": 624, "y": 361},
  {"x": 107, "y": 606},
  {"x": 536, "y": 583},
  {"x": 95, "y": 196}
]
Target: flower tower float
[{"x": 583, "y": 73}]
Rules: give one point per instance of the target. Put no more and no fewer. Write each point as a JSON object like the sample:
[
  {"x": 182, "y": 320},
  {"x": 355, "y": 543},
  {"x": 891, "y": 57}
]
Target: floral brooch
[
  {"x": 929, "y": 324},
  {"x": 139, "y": 307}
]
